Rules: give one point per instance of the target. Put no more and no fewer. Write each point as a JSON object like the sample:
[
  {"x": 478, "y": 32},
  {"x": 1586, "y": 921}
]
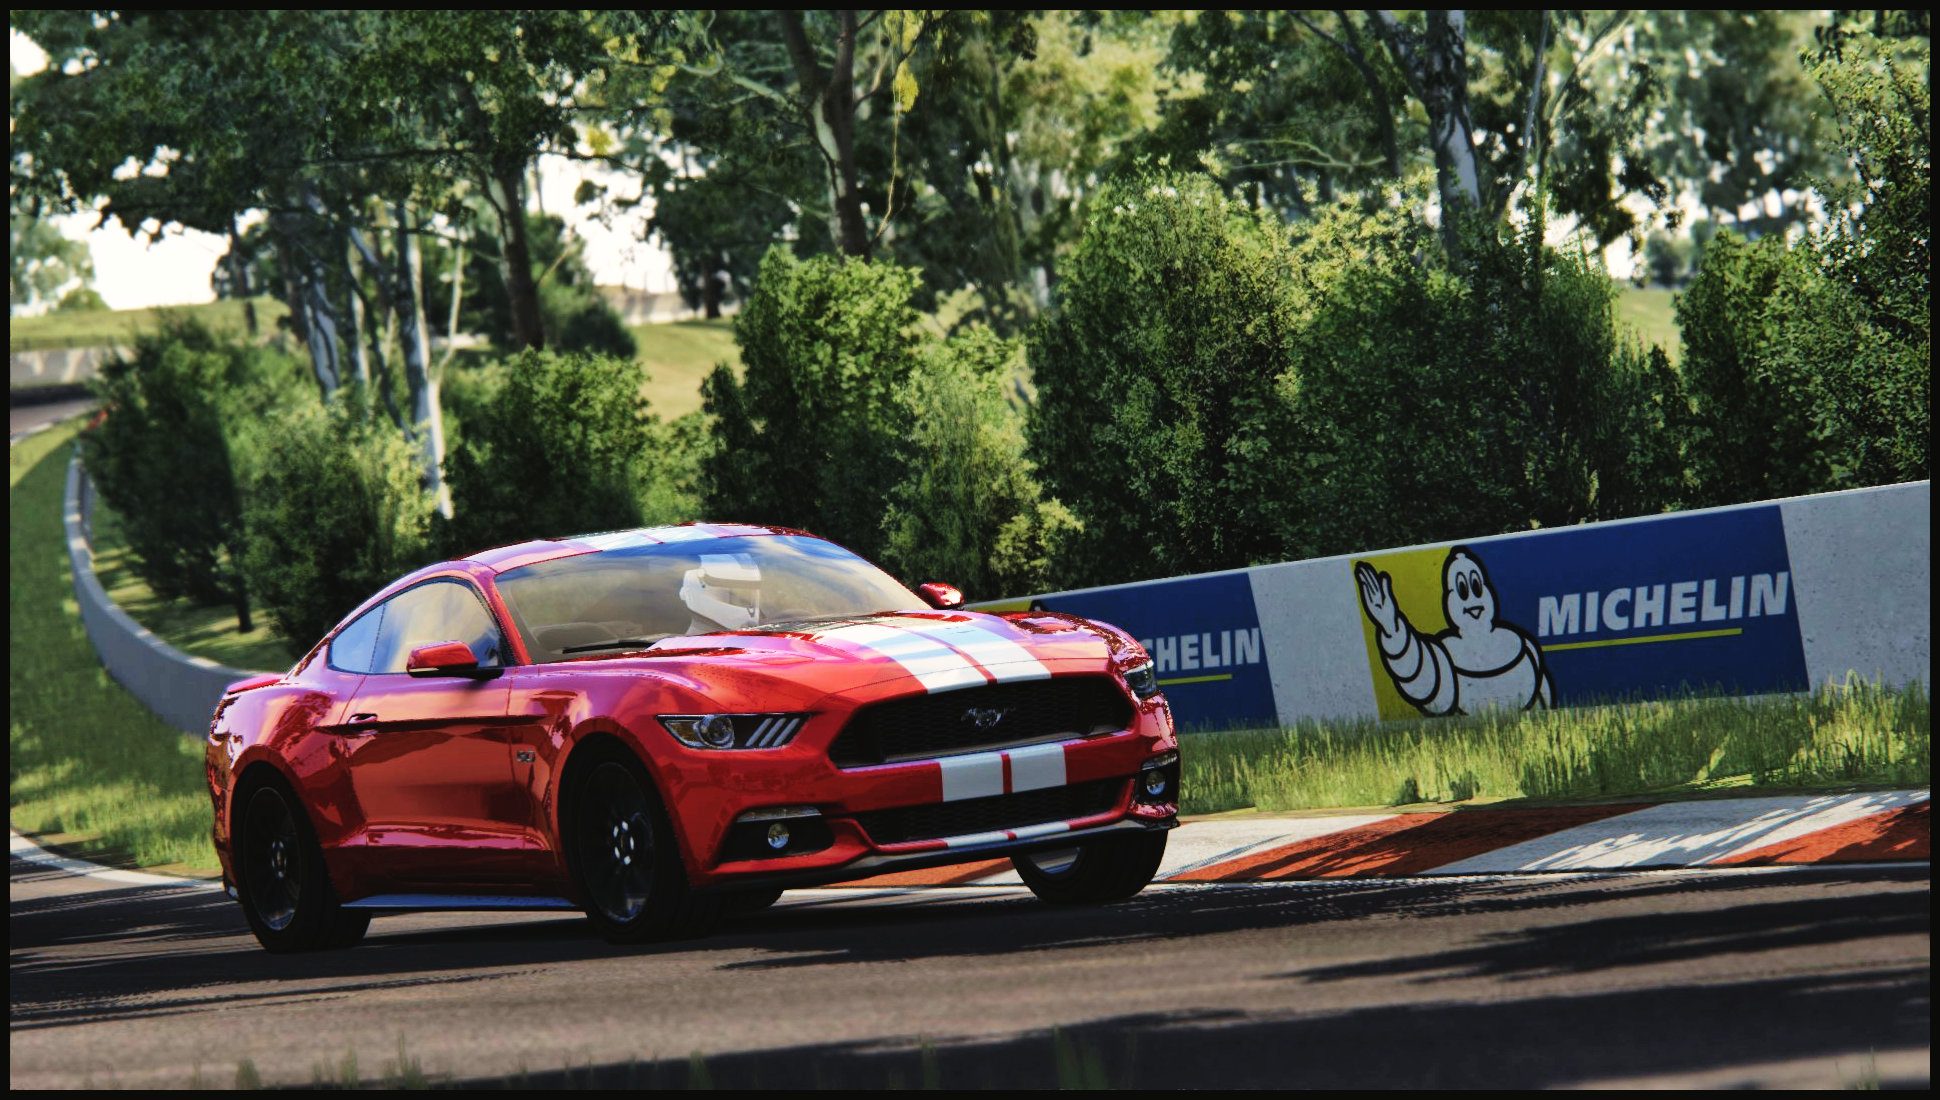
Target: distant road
[
  {"x": 1796, "y": 977},
  {"x": 22, "y": 419}
]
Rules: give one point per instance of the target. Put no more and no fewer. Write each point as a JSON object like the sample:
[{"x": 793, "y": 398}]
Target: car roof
[{"x": 503, "y": 558}]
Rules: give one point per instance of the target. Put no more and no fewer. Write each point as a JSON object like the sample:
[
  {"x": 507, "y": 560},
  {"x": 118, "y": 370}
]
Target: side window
[
  {"x": 441, "y": 611},
  {"x": 353, "y": 646}
]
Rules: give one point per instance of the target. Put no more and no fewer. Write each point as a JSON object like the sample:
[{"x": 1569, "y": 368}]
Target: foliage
[
  {"x": 164, "y": 456},
  {"x": 1160, "y": 418},
  {"x": 811, "y": 436},
  {"x": 333, "y": 510},
  {"x": 41, "y": 261},
  {"x": 563, "y": 444},
  {"x": 82, "y": 299},
  {"x": 968, "y": 509},
  {"x": 1440, "y": 399},
  {"x": 1809, "y": 364}
]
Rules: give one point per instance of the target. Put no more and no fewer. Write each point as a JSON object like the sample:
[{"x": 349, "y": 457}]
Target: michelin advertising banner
[
  {"x": 1705, "y": 604},
  {"x": 1745, "y": 600},
  {"x": 1204, "y": 637}
]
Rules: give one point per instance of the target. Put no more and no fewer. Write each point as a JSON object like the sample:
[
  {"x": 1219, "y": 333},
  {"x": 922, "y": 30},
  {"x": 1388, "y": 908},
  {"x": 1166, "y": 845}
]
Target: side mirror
[
  {"x": 442, "y": 659},
  {"x": 941, "y": 596}
]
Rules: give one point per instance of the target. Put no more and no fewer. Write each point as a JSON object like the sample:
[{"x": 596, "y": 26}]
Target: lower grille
[{"x": 982, "y": 815}]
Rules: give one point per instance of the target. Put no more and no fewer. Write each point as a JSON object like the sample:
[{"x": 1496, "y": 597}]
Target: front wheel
[
  {"x": 624, "y": 860},
  {"x": 282, "y": 882},
  {"x": 1093, "y": 873}
]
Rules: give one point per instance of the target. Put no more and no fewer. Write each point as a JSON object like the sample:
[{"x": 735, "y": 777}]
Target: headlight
[
  {"x": 1143, "y": 680},
  {"x": 733, "y": 731}
]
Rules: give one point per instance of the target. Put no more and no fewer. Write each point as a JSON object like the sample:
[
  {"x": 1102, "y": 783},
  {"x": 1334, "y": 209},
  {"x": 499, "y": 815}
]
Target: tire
[
  {"x": 1094, "y": 873},
  {"x": 281, "y": 879},
  {"x": 624, "y": 860}
]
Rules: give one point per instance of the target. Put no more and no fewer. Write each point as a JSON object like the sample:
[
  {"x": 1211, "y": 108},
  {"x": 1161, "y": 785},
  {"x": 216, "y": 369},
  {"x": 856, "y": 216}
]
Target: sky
[{"x": 135, "y": 272}]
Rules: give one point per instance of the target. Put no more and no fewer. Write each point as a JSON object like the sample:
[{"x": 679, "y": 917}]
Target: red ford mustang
[{"x": 657, "y": 725}]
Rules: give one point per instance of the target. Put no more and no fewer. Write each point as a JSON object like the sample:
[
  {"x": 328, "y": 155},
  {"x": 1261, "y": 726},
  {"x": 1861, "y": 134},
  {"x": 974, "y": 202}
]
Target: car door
[{"x": 429, "y": 758}]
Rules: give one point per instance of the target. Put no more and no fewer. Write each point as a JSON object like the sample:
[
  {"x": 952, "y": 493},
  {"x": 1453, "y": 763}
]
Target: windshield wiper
[{"x": 617, "y": 643}]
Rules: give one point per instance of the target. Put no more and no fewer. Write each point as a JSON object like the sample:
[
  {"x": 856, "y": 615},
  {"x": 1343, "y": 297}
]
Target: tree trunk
[
  {"x": 827, "y": 100},
  {"x": 427, "y": 419},
  {"x": 711, "y": 294},
  {"x": 1436, "y": 67},
  {"x": 239, "y": 275},
  {"x": 515, "y": 257},
  {"x": 240, "y": 597},
  {"x": 360, "y": 360}
]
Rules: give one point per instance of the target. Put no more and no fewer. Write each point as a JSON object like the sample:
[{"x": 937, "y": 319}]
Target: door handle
[{"x": 358, "y": 719}]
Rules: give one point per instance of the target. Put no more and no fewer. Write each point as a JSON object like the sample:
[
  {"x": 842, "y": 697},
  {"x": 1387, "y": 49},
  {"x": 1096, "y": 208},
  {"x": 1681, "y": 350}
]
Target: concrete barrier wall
[
  {"x": 1751, "y": 599},
  {"x": 55, "y": 366},
  {"x": 182, "y": 689}
]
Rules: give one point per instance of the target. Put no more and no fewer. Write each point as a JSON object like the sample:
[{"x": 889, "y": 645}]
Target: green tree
[
  {"x": 811, "y": 435},
  {"x": 968, "y": 509},
  {"x": 563, "y": 445},
  {"x": 41, "y": 261},
  {"x": 334, "y": 510},
  {"x": 1161, "y": 418},
  {"x": 165, "y": 456}
]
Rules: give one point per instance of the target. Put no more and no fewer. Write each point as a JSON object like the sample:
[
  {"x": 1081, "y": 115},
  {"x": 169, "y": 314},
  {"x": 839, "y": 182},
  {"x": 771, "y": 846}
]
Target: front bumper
[
  {"x": 886, "y": 862},
  {"x": 712, "y": 792}
]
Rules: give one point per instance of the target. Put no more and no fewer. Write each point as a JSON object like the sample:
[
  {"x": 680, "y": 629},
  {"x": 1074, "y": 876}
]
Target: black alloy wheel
[
  {"x": 282, "y": 882},
  {"x": 616, "y": 840},
  {"x": 624, "y": 858}
]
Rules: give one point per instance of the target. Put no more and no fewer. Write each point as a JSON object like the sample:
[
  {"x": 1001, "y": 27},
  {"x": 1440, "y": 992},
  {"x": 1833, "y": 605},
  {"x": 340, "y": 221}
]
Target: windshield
[{"x": 636, "y": 595}]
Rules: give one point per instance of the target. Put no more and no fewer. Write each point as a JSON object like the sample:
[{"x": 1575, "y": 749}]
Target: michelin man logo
[{"x": 1478, "y": 662}]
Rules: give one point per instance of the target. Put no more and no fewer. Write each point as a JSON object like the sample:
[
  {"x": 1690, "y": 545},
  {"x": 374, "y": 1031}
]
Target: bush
[
  {"x": 576, "y": 318},
  {"x": 335, "y": 510},
  {"x": 1162, "y": 415},
  {"x": 1439, "y": 399},
  {"x": 82, "y": 299},
  {"x": 968, "y": 510},
  {"x": 1753, "y": 434},
  {"x": 561, "y": 444},
  {"x": 812, "y": 436},
  {"x": 164, "y": 456}
]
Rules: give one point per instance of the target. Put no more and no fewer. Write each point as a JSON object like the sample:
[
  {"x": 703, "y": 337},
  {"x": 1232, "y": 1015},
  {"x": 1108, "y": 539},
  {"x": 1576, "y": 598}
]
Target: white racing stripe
[
  {"x": 979, "y": 776},
  {"x": 1004, "y": 659},
  {"x": 1036, "y": 767},
  {"x": 935, "y": 665},
  {"x": 975, "y": 839}
]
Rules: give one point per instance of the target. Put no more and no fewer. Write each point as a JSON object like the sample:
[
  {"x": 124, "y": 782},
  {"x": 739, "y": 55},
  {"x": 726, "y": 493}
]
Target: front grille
[
  {"x": 983, "y": 815},
  {"x": 917, "y": 727}
]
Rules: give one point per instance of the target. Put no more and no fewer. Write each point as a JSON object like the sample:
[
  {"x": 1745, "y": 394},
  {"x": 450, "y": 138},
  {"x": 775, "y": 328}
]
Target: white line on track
[{"x": 21, "y": 848}]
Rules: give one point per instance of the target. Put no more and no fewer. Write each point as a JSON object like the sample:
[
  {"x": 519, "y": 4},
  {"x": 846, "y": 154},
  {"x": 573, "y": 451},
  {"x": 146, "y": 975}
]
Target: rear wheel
[
  {"x": 620, "y": 846},
  {"x": 1095, "y": 872},
  {"x": 282, "y": 882}
]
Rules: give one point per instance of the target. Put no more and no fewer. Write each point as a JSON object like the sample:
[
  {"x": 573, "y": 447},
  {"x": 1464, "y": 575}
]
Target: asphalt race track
[{"x": 1809, "y": 976}]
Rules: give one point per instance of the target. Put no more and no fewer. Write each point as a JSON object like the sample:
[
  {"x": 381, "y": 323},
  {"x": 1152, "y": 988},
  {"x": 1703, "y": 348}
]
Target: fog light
[
  {"x": 1155, "y": 783},
  {"x": 777, "y": 836}
]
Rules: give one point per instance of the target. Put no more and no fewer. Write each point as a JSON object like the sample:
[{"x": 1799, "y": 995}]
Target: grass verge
[
  {"x": 1839, "y": 737},
  {"x": 88, "y": 767},
  {"x": 1651, "y": 313},
  {"x": 118, "y": 327},
  {"x": 204, "y": 630}
]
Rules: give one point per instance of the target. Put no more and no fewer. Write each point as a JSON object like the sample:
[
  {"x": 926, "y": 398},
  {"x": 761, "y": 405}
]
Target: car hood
[{"x": 898, "y": 651}]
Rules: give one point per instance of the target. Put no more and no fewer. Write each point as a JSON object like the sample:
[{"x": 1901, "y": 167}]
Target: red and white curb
[{"x": 1869, "y": 827}]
